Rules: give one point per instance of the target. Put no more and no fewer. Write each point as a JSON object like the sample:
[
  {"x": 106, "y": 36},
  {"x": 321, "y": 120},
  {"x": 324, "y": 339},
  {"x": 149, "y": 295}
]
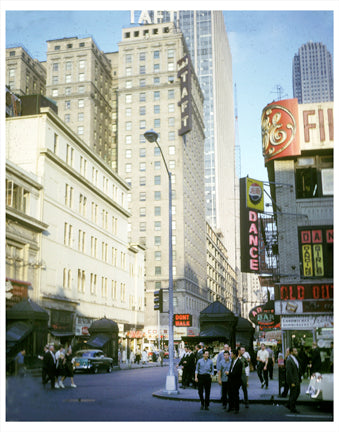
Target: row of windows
[
  {"x": 69, "y": 46},
  {"x": 17, "y": 197},
  {"x": 156, "y": 96},
  {"x": 143, "y": 55},
  {"x": 143, "y": 124},
  {"x": 156, "y": 69},
  {"x": 68, "y": 78},
  {"x": 68, "y": 91},
  {"x": 68, "y": 65}
]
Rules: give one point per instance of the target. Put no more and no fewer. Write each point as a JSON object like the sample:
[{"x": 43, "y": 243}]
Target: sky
[{"x": 262, "y": 42}]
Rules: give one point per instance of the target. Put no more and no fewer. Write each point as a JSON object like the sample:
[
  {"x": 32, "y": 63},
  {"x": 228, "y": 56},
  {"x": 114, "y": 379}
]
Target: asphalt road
[{"x": 126, "y": 396}]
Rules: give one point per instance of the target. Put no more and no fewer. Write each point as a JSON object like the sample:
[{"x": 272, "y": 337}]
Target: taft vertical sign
[
  {"x": 249, "y": 229},
  {"x": 185, "y": 103}
]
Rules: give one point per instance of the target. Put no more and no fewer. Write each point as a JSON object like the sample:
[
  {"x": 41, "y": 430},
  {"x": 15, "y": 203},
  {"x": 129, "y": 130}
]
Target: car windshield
[{"x": 87, "y": 354}]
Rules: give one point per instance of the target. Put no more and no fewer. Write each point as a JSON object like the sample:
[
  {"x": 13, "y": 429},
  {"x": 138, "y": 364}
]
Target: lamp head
[{"x": 151, "y": 136}]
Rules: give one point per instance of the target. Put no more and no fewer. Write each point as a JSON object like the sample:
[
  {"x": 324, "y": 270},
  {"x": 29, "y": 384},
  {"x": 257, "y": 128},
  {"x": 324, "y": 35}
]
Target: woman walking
[{"x": 68, "y": 367}]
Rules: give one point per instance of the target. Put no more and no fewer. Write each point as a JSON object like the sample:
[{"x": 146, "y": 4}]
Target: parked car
[
  {"x": 320, "y": 387},
  {"x": 92, "y": 360}
]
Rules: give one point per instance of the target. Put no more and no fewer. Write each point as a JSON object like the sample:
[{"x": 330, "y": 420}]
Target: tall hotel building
[
  {"x": 313, "y": 74},
  {"x": 149, "y": 96},
  {"x": 80, "y": 79}
]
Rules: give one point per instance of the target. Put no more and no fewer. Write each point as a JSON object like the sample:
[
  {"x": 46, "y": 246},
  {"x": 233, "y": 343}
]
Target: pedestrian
[
  {"x": 60, "y": 365},
  {"x": 223, "y": 371},
  {"x": 200, "y": 351},
  {"x": 43, "y": 368},
  {"x": 234, "y": 380},
  {"x": 315, "y": 362},
  {"x": 245, "y": 358},
  {"x": 191, "y": 367},
  {"x": 286, "y": 387},
  {"x": 262, "y": 361},
  {"x": 144, "y": 356},
  {"x": 132, "y": 357},
  {"x": 293, "y": 378},
  {"x": 161, "y": 356},
  {"x": 220, "y": 356},
  {"x": 138, "y": 356},
  {"x": 49, "y": 363},
  {"x": 184, "y": 363},
  {"x": 68, "y": 367},
  {"x": 203, "y": 376},
  {"x": 20, "y": 363},
  {"x": 270, "y": 362}
]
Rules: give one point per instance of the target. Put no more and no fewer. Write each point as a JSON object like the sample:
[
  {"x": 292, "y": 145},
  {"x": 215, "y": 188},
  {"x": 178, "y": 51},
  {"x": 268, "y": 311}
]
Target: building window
[
  {"x": 314, "y": 177},
  {"x": 82, "y": 64},
  {"x": 157, "y": 165},
  {"x": 16, "y": 196},
  {"x": 170, "y": 53},
  {"x": 128, "y": 58},
  {"x": 81, "y": 89},
  {"x": 142, "y": 97},
  {"x": 157, "y": 180},
  {"x": 157, "y": 225},
  {"x": 156, "y": 109},
  {"x": 128, "y": 71},
  {"x": 81, "y": 103},
  {"x": 142, "y": 70},
  {"x": 142, "y": 196},
  {"x": 128, "y": 112},
  {"x": 142, "y": 56},
  {"x": 55, "y": 67},
  {"x": 55, "y": 80},
  {"x": 142, "y": 211},
  {"x": 142, "y": 110},
  {"x": 67, "y": 118},
  {"x": 142, "y": 82},
  {"x": 142, "y": 152},
  {"x": 157, "y": 241},
  {"x": 156, "y": 54},
  {"x": 156, "y": 95},
  {"x": 129, "y": 84},
  {"x": 81, "y": 77},
  {"x": 171, "y": 94},
  {"x": 158, "y": 271},
  {"x": 170, "y": 66},
  {"x": 157, "y": 211},
  {"x": 57, "y": 47},
  {"x": 142, "y": 226},
  {"x": 128, "y": 139},
  {"x": 171, "y": 150},
  {"x": 142, "y": 166},
  {"x": 128, "y": 98},
  {"x": 156, "y": 68},
  {"x": 171, "y": 136},
  {"x": 128, "y": 126},
  {"x": 156, "y": 123},
  {"x": 80, "y": 130},
  {"x": 68, "y": 78},
  {"x": 171, "y": 107},
  {"x": 67, "y": 91},
  {"x": 142, "y": 124},
  {"x": 55, "y": 92},
  {"x": 81, "y": 116},
  {"x": 157, "y": 151},
  {"x": 157, "y": 255},
  {"x": 157, "y": 195},
  {"x": 156, "y": 80},
  {"x": 128, "y": 168},
  {"x": 142, "y": 139},
  {"x": 128, "y": 154},
  {"x": 142, "y": 181}
]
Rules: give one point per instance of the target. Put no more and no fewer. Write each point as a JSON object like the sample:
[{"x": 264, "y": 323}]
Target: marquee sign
[{"x": 306, "y": 291}]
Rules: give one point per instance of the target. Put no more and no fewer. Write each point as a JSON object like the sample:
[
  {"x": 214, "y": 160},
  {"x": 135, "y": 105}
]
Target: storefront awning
[
  {"x": 16, "y": 333},
  {"x": 58, "y": 333},
  {"x": 98, "y": 340}
]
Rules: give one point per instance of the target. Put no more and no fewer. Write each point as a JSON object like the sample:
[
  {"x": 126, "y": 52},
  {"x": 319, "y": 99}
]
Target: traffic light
[{"x": 158, "y": 300}]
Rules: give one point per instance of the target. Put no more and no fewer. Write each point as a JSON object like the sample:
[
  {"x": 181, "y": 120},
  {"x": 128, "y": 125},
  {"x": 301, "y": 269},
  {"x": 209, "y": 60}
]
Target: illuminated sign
[
  {"x": 279, "y": 129},
  {"x": 303, "y": 292},
  {"x": 254, "y": 194},
  {"x": 182, "y": 320},
  {"x": 317, "y": 120},
  {"x": 264, "y": 315},
  {"x": 185, "y": 103},
  {"x": 249, "y": 233}
]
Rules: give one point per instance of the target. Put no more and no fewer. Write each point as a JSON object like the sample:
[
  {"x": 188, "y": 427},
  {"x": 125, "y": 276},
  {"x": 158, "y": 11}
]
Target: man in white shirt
[{"x": 262, "y": 361}]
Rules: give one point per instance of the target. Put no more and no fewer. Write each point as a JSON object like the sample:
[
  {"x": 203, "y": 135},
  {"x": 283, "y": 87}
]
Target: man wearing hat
[{"x": 200, "y": 352}]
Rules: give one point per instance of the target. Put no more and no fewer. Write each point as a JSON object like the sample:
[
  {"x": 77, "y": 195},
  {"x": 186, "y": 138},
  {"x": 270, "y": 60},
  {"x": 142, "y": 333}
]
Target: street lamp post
[{"x": 171, "y": 379}]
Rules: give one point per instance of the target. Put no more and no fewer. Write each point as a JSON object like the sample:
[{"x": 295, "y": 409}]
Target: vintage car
[
  {"x": 92, "y": 360},
  {"x": 320, "y": 387}
]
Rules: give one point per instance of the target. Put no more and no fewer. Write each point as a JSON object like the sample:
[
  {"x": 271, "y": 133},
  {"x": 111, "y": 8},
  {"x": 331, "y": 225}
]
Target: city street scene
[{"x": 169, "y": 216}]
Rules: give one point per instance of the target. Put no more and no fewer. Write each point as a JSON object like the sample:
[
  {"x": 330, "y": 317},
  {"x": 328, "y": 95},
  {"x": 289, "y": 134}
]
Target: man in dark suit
[
  {"x": 49, "y": 365},
  {"x": 293, "y": 378},
  {"x": 234, "y": 380}
]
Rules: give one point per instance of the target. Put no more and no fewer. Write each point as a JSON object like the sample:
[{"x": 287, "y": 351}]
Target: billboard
[
  {"x": 280, "y": 129},
  {"x": 254, "y": 194}
]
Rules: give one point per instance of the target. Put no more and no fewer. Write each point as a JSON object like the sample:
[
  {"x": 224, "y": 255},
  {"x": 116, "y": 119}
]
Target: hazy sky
[{"x": 263, "y": 43}]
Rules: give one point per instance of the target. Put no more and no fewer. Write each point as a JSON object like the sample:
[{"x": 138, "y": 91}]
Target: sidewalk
[{"x": 255, "y": 393}]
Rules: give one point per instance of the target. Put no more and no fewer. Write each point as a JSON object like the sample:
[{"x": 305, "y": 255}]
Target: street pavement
[{"x": 256, "y": 394}]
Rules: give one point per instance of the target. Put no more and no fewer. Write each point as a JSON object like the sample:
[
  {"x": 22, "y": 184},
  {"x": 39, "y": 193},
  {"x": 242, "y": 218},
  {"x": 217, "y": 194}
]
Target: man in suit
[
  {"x": 49, "y": 364},
  {"x": 184, "y": 363},
  {"x": 293, "y": 378},
  {"x": 234, "y": 380}
]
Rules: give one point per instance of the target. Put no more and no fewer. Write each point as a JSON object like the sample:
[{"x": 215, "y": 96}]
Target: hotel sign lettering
[{"x": 185, "y": 103}]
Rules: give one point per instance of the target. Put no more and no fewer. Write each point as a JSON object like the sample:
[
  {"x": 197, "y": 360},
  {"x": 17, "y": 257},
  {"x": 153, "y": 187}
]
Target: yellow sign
[
  {"x": 254, "y": 194},
  {"x": 318, "y": 260},
  {"x": 307, "y": 260}
]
